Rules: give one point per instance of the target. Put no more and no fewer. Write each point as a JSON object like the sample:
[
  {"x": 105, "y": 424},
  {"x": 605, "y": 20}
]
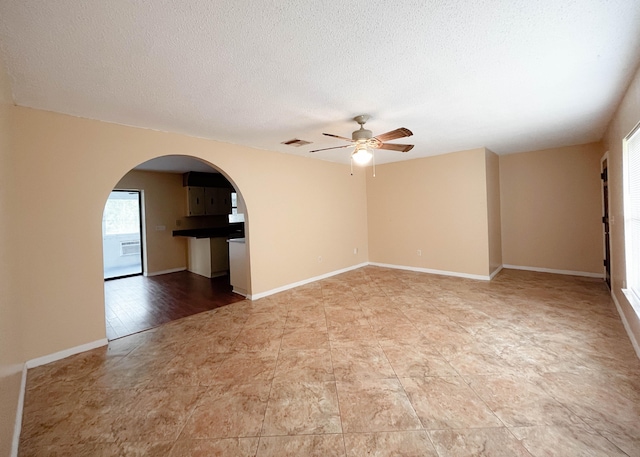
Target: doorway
[
  {"x": 121, "y": 234},
  {"x": 164, "y": 292}
]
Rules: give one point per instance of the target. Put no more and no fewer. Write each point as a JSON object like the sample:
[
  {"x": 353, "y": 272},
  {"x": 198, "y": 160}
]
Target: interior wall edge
[{"x": 495, "y": 272}]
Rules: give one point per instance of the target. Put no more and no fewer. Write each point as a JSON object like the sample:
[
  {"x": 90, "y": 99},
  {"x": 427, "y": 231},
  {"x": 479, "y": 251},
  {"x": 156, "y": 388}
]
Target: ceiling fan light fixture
[
  {"x": 365, "y": 143},
  {"x": 362, "y": 155}
]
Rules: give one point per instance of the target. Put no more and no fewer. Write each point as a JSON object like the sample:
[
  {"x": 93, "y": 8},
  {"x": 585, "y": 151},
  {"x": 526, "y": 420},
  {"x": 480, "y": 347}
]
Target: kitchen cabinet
[
  {"x": 195, "y": 201},
  {"x": 208, "y": 201},
  {"x": 208, "y": 257},
  {"x": 217, "y": 201}
]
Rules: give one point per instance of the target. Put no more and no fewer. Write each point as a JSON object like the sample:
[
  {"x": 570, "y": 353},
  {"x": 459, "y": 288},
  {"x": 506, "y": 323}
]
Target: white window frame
[{"x": 631, "y": 185}]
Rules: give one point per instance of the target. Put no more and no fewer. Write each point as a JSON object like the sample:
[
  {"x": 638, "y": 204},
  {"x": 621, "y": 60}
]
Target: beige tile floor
[{"x": 374, "y": 362}]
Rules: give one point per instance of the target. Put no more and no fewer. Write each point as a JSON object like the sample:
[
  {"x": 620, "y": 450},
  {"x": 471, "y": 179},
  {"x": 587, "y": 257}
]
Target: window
[
  {"x": 234, "y": 203},
  {"x": 235, "y": 216},
  {"x": 631, "y": 167},
  {"x": 121, "y": 213}
]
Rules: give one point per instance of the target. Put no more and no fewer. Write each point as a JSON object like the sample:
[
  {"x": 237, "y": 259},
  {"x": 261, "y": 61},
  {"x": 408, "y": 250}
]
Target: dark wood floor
[{"x": 139, "y": 303}]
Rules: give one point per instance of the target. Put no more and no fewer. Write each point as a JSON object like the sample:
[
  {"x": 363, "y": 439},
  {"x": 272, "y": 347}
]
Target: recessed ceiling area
[{"x": 509, "y": 75}]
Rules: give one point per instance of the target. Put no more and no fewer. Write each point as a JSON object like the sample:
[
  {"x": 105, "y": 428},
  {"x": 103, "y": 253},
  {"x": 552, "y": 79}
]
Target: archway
[{"x": 187, "y": 267}]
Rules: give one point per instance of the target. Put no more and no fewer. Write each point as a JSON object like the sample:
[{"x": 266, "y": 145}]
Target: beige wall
[
  {"x": 164, "y": 203},
  {"x": 298, "y": 209},
  {"x": 437, "y": 205},
  {"x": 11, "y": 354},
  {"x": 626, "y": 117},
  {"x": 494, "y": 219},
  {"x": 551, "y": 208}
]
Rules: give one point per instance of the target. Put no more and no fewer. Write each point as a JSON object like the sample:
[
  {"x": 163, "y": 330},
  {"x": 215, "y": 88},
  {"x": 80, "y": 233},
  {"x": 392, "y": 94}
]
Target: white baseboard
[
  {"x": 496, "y": 271},
  {"x": 627, "y": 327},
  {"x": 242, "y": 292},
  {"x": 17, "y": 427},
  {"x": 164, "y": 272},
  {"x": 421, "y": 270},
  {"x": 304, "y": 281},
  {"x": 433, "y": 272},
  {"x": 65, "y": 353},
  {"x": 557, "y": 272}
]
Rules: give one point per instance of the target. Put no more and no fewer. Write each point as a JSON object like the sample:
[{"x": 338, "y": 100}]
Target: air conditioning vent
[
  {"x": 129, "y": 248},
  {"x": 296, "y": 142}
]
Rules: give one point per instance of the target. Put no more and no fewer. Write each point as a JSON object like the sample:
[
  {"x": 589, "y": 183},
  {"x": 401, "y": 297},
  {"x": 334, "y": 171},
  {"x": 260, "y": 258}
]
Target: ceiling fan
[{"x": 364, "y": 141}]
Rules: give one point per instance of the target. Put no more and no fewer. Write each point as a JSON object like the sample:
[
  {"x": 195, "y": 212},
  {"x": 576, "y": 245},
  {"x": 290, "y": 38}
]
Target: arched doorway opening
[{"x": 187, "y": 267}]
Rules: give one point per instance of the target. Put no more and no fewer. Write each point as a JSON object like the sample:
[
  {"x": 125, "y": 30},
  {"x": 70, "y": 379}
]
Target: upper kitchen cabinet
[
  {"x": 195, "y": 201},
  {"x": 217, "y": 201},
  {"x": 208, "y": 194},
  {"x": 208, "y": 201}
]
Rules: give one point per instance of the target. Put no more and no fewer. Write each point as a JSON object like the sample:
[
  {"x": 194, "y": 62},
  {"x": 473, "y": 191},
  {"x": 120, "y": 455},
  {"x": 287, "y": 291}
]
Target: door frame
[
  {"x": 141, "y": 228},
  {"x": 606, "y": 218}
]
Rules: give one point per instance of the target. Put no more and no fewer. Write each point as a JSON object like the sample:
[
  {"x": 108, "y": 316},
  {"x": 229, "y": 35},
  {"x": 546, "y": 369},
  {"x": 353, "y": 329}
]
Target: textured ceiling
[{"x": 511, "y": 75}]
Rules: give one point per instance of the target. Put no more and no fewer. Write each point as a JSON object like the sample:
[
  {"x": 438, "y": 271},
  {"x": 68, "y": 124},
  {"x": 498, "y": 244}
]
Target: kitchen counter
[{"x": 233, "y": 230}]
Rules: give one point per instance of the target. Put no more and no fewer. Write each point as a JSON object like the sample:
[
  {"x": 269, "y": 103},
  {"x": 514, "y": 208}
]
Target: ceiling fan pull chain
[{"x": 351, "y": 165}]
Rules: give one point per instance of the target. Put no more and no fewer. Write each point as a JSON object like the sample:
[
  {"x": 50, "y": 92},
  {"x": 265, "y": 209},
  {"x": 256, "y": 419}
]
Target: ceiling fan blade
[
  {"x": 335, "y": 147},
  {"x": 394, "y": 134},
  {"x": 396, "y": 147},
  {"x": 338, "y": 136}
]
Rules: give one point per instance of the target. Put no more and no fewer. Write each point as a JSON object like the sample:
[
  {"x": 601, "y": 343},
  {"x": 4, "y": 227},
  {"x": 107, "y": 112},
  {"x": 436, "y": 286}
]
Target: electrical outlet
[
  {"x": 355, "y": 250},
  {"x": 319, "y": 258},
  {"x": 160, "y": 228},
  {"x": 178, "y": 222},
  {"x": 419, "y": 252}
]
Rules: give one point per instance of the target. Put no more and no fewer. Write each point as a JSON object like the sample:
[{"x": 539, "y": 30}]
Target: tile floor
[{"x": 374, "y": 362}]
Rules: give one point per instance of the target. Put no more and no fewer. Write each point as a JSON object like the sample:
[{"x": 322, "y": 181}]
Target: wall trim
[
  {"x": 496, "y": 271},
  {"x": 65, "y": 353},
  {"x": 164, "y": 272},
  {"x": 627, "y": 327},
  {"x": 243, "y": 293},
  {"x": 557, "y": 272},
  {"x": 17, "y": 426},
  {"x": 434, "y": 272},
  {"x": 305, "y": 281}
]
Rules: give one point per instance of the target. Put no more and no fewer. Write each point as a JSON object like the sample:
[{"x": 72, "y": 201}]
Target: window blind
[{"x": 632, "y": 212}]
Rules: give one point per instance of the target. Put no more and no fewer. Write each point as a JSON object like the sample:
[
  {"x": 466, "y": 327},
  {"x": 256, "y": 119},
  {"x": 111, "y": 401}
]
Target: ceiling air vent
[{"x": 296, "y": 142}]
